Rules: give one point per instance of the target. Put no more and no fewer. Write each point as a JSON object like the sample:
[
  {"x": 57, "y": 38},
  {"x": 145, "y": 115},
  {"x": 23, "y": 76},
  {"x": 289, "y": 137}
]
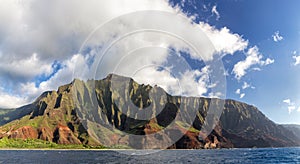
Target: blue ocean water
[{"x": 258, "y": 155}]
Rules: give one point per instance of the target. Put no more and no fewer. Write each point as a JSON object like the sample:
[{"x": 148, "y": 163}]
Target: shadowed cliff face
[
  {"x": 52, "y": 117},
  {"x": 142, "y": 116},
  {"x": 293, "y": 128},
  {"x": 119, "y": 111},
  {"x": 246, "y": 126}
]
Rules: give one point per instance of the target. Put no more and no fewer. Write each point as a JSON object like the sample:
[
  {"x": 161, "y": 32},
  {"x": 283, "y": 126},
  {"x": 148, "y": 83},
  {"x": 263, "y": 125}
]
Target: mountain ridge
[{"x": 53, "y": 117}]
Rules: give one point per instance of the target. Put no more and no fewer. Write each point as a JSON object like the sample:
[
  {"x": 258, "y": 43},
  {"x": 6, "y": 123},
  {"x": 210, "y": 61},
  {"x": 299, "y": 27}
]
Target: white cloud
[
  {"x": 238, "y": 92},
  {"x": 226, "y": 73},
  {"x": 223, "y": 40},
  {"x": 256, "y": 69},
  {"x": 246, "y": 85},
  {"x": 276, "y": 37},
  {"x": 185, "y": 84},
  {"x": 28, "y": 91},
  {"x": 26, "y": 68},
  {"x": 253, "y": 57},
  {"x": 215, "y": 95},
  {"x": 63, "y": 30},
  {"x": 182, "y": 3},
  {"x": 193, "y": 87},
  {"x": 267, "y": 61},
  {"x": 204, "y": 7},
  {"x": 242, "y": 95},
  {"x": 291, "y": 108},
  {"x": 32, "y": 39},
  {"x": 214, "y": 11},
  {"x": 288, "y": 101},
  {"x": 291, "y": 105},
  {"x": 11, "y": 101},
  {"x": 297, "y": 60}
]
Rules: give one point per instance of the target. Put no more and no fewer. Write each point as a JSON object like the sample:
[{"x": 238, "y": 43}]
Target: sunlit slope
[{"x": 98, "y": 112}]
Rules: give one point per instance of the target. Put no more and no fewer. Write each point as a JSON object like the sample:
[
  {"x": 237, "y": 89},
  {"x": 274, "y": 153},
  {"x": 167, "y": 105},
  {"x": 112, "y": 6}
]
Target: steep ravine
[{"x": 95, "y": 112}]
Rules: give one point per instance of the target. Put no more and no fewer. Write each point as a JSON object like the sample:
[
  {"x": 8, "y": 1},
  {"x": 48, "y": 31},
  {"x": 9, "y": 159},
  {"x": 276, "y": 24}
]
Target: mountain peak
[{"x": 97, "y": 113}]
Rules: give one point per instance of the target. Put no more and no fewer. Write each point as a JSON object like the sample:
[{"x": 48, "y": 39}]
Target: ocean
[{"x": 255, "y": 155}]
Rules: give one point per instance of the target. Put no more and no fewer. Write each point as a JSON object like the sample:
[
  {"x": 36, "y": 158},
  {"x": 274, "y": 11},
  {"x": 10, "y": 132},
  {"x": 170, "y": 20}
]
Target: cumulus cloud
[
  {"x": 246, "y": 85},
  {"x": 242, "y": 95},
  {"x": 291, "y": 105},
  {"x": 238, "y": 92},
  {"x": 193, "y": 87},
  {"x": 223, "y": 40},
  {"x": 297, "y": 60},
  {"x": 214, "y": 11},
  {"x": 241, "y": 92},
  {"x": 173, "y": 74},
  {"x": 276, "y": 37},
  {"x": 267, "y": 61},
  {"x": 25, "y": 68},
  {"x": 62, "y": 31},
  {"x": 32, "y": 39},
  {"x": 288, "y": 101},
  {"x": 8, "y": 100},
  {"x": 256, "y": 69},
  {"x": 253, "y": 57},
  {"x": 26, "y": 92}
]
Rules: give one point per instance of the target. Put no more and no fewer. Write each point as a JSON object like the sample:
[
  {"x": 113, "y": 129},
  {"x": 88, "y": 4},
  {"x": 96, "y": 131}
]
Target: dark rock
[{"x": 102, "y": 110}]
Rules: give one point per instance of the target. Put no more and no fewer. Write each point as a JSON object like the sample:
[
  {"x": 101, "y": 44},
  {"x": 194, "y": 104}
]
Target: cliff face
[
  {"x": 246, "y": 126},
  {"x": 52, "y": 117},
  {"x": 119, "y": 111},
  {"x": 293, "y": 128}
]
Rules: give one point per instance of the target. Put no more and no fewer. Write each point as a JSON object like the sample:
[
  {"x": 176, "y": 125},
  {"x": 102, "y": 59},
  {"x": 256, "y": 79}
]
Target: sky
[{"x": 236, "y": 49}]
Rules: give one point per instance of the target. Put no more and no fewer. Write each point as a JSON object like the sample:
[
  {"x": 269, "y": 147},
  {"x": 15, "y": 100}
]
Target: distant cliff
[
  {"x": 97, "y": 112},
  {"x": 293, "y": 128}
]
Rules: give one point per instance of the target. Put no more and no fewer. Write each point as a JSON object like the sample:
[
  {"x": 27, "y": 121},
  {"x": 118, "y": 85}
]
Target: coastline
[{"x": 51, "y": 149}]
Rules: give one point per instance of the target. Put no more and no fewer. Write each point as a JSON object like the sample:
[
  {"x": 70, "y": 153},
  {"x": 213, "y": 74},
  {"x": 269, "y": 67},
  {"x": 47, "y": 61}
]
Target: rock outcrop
[
  {"x": 64, "y": 135},
  {"x": 246, "y": 126},
  {"x": 98, "y": 112},
  {"x": 25, "y": 132}
]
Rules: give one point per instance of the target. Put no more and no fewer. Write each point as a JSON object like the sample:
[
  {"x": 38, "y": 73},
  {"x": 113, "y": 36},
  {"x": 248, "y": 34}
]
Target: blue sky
[
  {"x": 41, "y": 51},
  {"x": 257, "y": 21}
]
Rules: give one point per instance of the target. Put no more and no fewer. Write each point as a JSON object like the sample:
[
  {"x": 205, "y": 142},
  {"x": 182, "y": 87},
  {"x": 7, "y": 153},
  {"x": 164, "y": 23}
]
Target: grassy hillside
[{"x": 96, "y": 112}]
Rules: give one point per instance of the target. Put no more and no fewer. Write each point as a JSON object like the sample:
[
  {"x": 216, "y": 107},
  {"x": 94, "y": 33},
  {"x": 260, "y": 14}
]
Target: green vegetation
[
  {"x": 120, "y": 147},
  {"x": 6, "y": 115},
  {"x": 24, "y": 121},
  {"x": 187, "y": 127},
  {"x": 156, "y": 126},
  {"x": 40, "y": 144}
]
